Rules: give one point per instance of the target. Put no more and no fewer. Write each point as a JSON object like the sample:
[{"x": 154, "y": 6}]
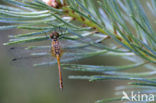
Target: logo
[{"x": 137, "y": 97}]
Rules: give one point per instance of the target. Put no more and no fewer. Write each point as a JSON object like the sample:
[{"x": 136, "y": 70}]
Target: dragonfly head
[{"x": 54, "y": 35}]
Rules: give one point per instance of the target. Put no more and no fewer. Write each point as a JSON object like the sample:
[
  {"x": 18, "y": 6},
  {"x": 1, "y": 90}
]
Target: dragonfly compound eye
[{"x": 54, "y": 35}]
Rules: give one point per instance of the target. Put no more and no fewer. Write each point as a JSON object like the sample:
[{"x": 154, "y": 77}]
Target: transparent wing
[{"x": 40, "y": 54}]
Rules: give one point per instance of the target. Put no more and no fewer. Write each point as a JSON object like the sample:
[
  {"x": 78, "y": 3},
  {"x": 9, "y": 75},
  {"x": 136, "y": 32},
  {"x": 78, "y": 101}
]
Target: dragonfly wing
[
  {"x": 30, "y": 56},
  {"x": 41, "y": 54}
]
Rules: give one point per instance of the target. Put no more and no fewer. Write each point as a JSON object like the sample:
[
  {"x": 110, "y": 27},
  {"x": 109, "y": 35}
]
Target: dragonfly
[
  {"x": 61, "y": 51},
  {"x": 56, "y": 52}
]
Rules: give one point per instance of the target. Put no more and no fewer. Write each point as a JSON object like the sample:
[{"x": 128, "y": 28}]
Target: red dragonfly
[
  {"x": 56, "y": 52},
  {"x": 39, "y": 55}
]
